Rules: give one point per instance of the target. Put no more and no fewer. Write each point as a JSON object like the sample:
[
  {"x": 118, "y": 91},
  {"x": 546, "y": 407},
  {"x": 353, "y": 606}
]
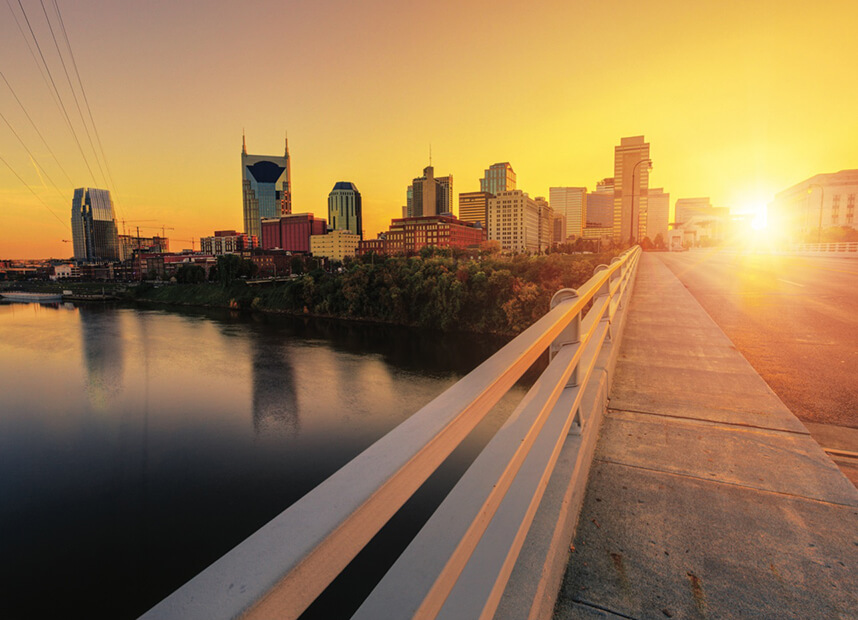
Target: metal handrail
[{"x": 282, "y": 568}]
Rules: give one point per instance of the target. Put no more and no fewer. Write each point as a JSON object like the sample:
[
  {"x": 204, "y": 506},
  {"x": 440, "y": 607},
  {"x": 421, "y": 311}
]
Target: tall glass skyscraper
[
  {"x": 344, "y": 208},
  {"x": 266, "y": 188},
  {"x": 93, "y": 223}
]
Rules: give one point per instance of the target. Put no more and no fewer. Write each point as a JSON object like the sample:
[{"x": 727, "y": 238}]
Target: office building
[
  {"x": 227, "y": 242},
  {"x": 605, "y": 186},
  {"x": 658, "y": 215},
  {"x": 600, "y": 210},
  {"x": 344, "y": 208},
  {"x": 686, "y": 208},
  {"x": 291, "y": 232},
  {"x": 266, "y": 188},
  {"x": 546, "y": 223},
  {"x": 631, "y": 181},
  {"x": 429, "y": 195},
  {"x": 820, "y": 202},
  {"x": 572, "y": 203},
  {"x": 498, "y": 178},
  {"x": 93, "y": 223},
  {"x": 514, "y": 221},
  {"x": 474, "y": 207},
  {"x": 559, "y": 228}
]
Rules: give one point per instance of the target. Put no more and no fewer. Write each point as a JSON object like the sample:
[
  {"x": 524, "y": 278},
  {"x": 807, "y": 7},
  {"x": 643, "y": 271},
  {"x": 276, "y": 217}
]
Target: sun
[{"x": 760, "y": 221}]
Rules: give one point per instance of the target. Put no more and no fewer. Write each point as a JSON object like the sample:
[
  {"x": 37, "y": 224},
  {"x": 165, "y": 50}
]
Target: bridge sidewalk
[{"x": 707, "y": 497}]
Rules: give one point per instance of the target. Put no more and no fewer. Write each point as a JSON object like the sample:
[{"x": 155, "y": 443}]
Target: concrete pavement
[{"x": 707, "y": 497}]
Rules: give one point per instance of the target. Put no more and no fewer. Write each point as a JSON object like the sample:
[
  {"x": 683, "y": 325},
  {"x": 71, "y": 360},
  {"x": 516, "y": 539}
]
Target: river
[{"x": 137, "y": 446}]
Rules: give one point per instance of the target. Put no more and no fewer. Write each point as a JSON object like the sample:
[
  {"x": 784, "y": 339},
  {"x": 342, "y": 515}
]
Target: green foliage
[
  {"x": 489, "y": 294},
  {"x": 190, "y": 274},
  {"x": 230, "y": 267}
]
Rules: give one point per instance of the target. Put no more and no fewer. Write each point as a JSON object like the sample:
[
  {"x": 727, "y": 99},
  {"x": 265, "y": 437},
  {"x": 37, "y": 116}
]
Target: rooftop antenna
[
  {"x": 243, "y": 143},
  {"x": 430, "y": 153},
  {"x": 287, "y": 143}
]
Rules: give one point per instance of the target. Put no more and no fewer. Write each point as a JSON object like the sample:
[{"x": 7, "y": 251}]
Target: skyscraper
[
  {"x": 266, "y": 187},
  {"x": 572, "y": 203},
  {"x": 631, "y": 180},
  {"x": 498, "y": 178},
  {"x": 428, "y": 195},
  {"x": 344, "y": 208},
  {"x": 93, "y": 224}
]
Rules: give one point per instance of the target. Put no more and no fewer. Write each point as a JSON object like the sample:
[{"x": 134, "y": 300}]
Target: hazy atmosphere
[{"x": 739, "y": 100}]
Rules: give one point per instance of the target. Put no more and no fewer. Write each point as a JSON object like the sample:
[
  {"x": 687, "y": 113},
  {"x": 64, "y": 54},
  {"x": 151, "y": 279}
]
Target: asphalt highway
[{"x": 795, "y": 319}]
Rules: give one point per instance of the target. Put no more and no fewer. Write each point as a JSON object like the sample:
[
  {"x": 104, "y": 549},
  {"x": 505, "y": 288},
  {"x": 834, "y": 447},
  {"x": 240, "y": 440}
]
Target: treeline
[{"x": 491, "y": 294}]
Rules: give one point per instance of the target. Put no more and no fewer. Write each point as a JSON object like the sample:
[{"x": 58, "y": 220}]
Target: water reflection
[
  {"x": 130, "y": 436},
  {"x": 275, "y": 394},
  {"x": 102, "y": 355}
]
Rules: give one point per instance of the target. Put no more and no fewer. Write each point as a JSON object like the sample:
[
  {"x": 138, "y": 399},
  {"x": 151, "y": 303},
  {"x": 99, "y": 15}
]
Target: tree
[
  {"x": 231, "y": 266},
  {"x": 659, "y": 241},
  {"x": 190, "y": 274}
]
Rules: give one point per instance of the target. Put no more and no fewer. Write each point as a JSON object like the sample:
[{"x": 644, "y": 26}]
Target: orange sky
[{"x": 737, "y": 99}]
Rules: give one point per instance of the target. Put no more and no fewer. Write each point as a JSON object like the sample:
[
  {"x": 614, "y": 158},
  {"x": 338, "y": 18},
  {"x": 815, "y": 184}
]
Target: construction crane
[
  {"x": 162, "y": 228},
  {"x": 133, "y": 221}
]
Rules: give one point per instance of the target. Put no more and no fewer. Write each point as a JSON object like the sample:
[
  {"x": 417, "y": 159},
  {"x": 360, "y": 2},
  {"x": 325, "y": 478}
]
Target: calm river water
[{"x": 138, "y": 446}]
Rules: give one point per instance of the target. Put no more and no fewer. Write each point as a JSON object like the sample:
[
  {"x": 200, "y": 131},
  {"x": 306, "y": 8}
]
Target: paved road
[{"x": 795, "y": 319}]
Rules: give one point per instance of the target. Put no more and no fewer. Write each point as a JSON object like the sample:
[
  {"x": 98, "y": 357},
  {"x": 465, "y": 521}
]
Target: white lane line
[{"x": 793, "y": 283}]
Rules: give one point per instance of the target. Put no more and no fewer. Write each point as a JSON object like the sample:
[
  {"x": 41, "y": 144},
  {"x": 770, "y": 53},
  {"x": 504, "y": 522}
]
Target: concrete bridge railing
[
  {"x": 466, "y": 561},
  {"x": 837, "y": 249}
]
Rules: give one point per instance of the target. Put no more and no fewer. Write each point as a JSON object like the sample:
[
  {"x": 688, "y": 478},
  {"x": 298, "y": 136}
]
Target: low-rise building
[
  {"x": 66, "y": 271},
  {"x": 291, "y": 232},
  {"x": 336, "y": 245},
  {"x": 128, "y": 244},
  {"x": 227, "y": 242}
]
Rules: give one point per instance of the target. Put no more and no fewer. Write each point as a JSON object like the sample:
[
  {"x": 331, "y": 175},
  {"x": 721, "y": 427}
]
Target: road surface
[{"x": 795, "y": 319}]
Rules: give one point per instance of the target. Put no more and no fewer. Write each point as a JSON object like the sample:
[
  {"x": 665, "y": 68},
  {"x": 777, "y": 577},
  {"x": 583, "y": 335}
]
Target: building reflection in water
[
  {"x": 101, "y": 335},
  {"x": 275, "y": 398}
]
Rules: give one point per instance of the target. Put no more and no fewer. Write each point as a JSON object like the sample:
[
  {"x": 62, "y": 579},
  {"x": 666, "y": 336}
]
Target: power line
[
  {"x": 74, "y": 94},
  {"x": 45, "y": 142},
  {"x": 54, "y": 84},
  {"x": 86, "y": 101},
  {"x": 27, "y": 185},
  {"x": 32, "y": 53},
  {"x": 33, "y": 157}
]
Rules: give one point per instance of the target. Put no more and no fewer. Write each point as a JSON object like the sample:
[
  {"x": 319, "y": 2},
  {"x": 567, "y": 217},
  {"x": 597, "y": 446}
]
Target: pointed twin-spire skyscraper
[{"x": 266, "y": 187}]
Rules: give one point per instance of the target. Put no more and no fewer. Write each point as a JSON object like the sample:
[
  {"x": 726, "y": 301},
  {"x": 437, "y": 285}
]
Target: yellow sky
[{"x": 737, "y": 99}]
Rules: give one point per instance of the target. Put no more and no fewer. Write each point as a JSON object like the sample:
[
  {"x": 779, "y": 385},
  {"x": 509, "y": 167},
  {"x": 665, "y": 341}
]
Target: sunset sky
[{"x": 737, "y": 99}]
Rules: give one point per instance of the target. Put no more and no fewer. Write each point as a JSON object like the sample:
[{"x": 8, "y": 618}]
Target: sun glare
[{"x": 760, "y": 221}]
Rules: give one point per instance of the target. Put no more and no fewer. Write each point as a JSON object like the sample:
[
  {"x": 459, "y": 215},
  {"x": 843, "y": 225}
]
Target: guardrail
[
  {"x": 459, "y": 564},
  {"x": 848, "y": 248}
]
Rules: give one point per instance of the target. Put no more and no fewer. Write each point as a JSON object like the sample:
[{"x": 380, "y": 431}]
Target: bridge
[{"x": 650, "y": 472}]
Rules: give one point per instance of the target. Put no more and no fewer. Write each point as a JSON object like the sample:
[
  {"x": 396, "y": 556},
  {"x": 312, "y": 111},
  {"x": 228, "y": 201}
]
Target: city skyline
[{"x": 739, "y": 115}]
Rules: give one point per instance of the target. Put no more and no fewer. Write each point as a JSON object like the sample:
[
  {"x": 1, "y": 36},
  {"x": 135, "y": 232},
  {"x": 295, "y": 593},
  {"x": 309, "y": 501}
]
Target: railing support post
[
  {"x": 605, "y": 291},
  {"x": 570, "y": 336}
]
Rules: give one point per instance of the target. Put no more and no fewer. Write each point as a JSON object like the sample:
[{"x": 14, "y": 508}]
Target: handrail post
[
  {"x": 570, "y": 336},
  {"x": 605, "y": 291}
]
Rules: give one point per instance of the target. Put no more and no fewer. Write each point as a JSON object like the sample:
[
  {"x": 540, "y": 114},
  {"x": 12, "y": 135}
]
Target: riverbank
[{"x": 494, "y": 295}]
